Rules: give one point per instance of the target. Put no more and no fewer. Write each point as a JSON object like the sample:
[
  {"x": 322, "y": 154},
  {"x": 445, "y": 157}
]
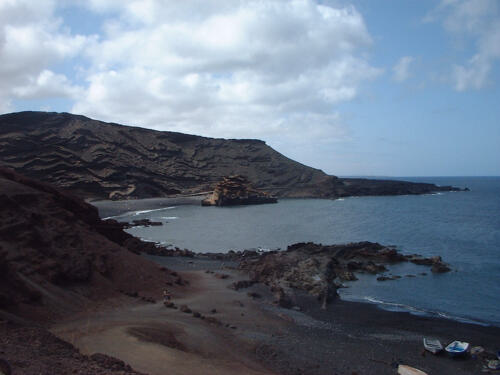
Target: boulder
[
  {"x": 440, "y": 268},
  {"x": 346, "y": 276},
  {"x": 282, "y": 299},
  {"x": 237, "y": 285}
]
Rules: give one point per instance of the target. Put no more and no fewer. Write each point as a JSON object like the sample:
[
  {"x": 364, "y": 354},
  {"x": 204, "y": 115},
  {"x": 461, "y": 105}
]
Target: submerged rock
[{"x": 440, "y": 268}]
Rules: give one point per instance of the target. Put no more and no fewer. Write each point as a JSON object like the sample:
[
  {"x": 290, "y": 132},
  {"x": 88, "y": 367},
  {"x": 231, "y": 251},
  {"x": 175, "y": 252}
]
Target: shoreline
[
  {"x": 110, "y": 207},
  {"x": 197, "y": 263},
  {"x": 397, "y": 334},
  {"x": 251, "y": 335}
]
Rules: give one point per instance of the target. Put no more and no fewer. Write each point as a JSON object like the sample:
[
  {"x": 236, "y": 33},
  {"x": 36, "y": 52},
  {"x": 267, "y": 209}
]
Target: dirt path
[{"x": 158, "y": 340}]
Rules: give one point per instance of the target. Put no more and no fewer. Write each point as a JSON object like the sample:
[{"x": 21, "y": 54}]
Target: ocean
[{"x": 462, "y": 227}]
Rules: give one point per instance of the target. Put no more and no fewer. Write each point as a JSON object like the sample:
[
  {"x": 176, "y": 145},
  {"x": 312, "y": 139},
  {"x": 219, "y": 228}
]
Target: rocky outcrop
[
  {"x": 101, "y": 160},
  {"x": 436, "y": 263},
  {"x": 319, "y": 270},
  {"x": 234, "y": 191},
  {"x": 348, "y": 187}
]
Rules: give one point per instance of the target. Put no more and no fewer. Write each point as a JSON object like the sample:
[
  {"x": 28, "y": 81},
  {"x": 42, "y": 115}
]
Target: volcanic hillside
[
  {"x": 57, "y": 256},
  {"x": 103, "y": 160}
]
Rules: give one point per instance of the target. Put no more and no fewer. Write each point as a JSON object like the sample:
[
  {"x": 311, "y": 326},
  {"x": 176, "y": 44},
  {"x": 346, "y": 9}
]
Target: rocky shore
[
  {"x": 347, "y": 338},
  {"x": 317, "y": 269},
  {"x": 320, "y": 270}
]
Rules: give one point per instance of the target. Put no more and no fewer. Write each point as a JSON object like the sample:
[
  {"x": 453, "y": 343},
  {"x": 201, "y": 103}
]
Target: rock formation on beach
[
  {"x": 320, "y": 270},
  {"x": 95, "y": 159},
  {"x": 236, "y": 190}
]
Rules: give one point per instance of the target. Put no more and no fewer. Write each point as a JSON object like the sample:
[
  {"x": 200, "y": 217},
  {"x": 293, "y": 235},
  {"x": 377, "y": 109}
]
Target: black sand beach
[
  {"x": 109, "y": 208},
  {"x": 351, "y": 338},
  {"x": 347, "y": 338}
]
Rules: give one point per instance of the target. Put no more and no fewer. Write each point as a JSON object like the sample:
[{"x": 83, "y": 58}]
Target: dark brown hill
[
  {"x": 103, "y": 160},
  {"x": 57, "y": 259},
  {"x": 57, "y": 256}
]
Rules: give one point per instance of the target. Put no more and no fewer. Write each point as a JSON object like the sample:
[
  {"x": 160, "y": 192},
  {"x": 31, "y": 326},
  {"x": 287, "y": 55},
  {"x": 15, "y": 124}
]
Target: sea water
[{"x": 462, "y": 227}]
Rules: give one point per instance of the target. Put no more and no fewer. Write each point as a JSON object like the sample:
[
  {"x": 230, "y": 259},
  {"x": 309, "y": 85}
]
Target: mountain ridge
[{"x": 100, "y": 160}]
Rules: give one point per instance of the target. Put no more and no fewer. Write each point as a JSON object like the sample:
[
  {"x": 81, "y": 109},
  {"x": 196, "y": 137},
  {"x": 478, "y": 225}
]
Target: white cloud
[
  {"x": 31, "y": 40},
  {"x": 479, "y": 21},
  {"x": 47, "y": 85},
  {"x": 402, "y": 68},
  {"x": 268, "y": 69},
  {"x": 226, "y": 68}
]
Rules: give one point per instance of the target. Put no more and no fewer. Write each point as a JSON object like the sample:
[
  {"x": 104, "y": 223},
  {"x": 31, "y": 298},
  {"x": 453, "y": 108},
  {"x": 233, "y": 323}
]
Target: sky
[{"x": 360, "y": 87}]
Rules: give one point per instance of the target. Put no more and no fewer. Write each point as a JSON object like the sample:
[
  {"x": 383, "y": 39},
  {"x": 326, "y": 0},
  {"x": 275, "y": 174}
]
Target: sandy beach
[
  {"x": 108, "y": 208},
  {"x": 249, "y": 335}
]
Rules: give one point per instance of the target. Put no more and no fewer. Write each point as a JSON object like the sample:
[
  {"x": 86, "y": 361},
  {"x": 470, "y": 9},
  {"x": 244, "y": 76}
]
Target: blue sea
[{"x": 462, "y": 227}]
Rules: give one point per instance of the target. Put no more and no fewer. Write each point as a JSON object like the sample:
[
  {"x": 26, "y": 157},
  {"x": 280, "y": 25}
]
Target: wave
[
  {"x": 136, "y": 213},
  {"x": 169, "y": 217},
  {"x": 153, "y": 210},
  {"x": 399, "y": 307}
]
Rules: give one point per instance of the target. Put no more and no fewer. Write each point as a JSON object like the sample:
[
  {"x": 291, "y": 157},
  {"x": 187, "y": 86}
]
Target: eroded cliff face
[
  {"x": 109, "y": 161},
  {"x": 103, "y": 160}
]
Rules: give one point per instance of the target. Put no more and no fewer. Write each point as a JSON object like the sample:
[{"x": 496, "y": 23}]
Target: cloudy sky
[{"x": 361, "y": 87}]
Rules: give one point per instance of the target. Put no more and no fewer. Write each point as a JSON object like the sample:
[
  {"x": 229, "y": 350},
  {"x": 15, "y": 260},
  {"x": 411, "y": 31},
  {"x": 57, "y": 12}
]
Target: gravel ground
[{"x": 355, "y": 338}]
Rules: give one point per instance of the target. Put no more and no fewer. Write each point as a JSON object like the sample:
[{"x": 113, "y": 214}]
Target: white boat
[
  {"x": 494, "y": 365},
  {"x": 457, "y": 348},
  {"x": 432, "y": 345},
  {"x": 407, "y": 370}
]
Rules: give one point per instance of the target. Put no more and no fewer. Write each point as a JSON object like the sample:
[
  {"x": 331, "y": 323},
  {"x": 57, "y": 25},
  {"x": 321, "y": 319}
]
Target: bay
[{"x": 462, "y": 227}]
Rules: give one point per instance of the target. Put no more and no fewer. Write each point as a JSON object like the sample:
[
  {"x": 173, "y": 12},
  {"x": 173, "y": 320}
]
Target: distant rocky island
[
  {"x": 99, "y": 160},
  {"x": 237, "y": 190}
]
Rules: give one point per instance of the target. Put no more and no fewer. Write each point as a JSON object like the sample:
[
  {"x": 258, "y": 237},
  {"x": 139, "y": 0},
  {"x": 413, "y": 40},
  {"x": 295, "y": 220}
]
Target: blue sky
[{"x": 361, "y": 87}]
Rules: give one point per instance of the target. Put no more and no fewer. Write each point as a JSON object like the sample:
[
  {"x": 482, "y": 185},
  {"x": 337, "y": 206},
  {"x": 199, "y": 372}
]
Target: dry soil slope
[
  {"x": 57, "y": 256},
  {"x": 96, "y": 159}
]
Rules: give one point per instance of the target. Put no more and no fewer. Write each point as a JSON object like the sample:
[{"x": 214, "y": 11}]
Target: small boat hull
[
  {"x": 432, "y": 345},
  {"x": 457, "y": 348}
]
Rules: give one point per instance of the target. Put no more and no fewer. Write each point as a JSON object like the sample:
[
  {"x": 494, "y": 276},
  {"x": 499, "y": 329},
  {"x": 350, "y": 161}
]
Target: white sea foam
[
  {"x": 118, "y": 216},
  {"x": 398, "y": 307},
  {"x": 136, "y": 213},
  {"x": 154, "y": 210},
  {"x": 169, "y": 217}
]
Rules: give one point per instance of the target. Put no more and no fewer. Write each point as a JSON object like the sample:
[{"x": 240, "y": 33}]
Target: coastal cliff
[{"x": 101, "y": 160}]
